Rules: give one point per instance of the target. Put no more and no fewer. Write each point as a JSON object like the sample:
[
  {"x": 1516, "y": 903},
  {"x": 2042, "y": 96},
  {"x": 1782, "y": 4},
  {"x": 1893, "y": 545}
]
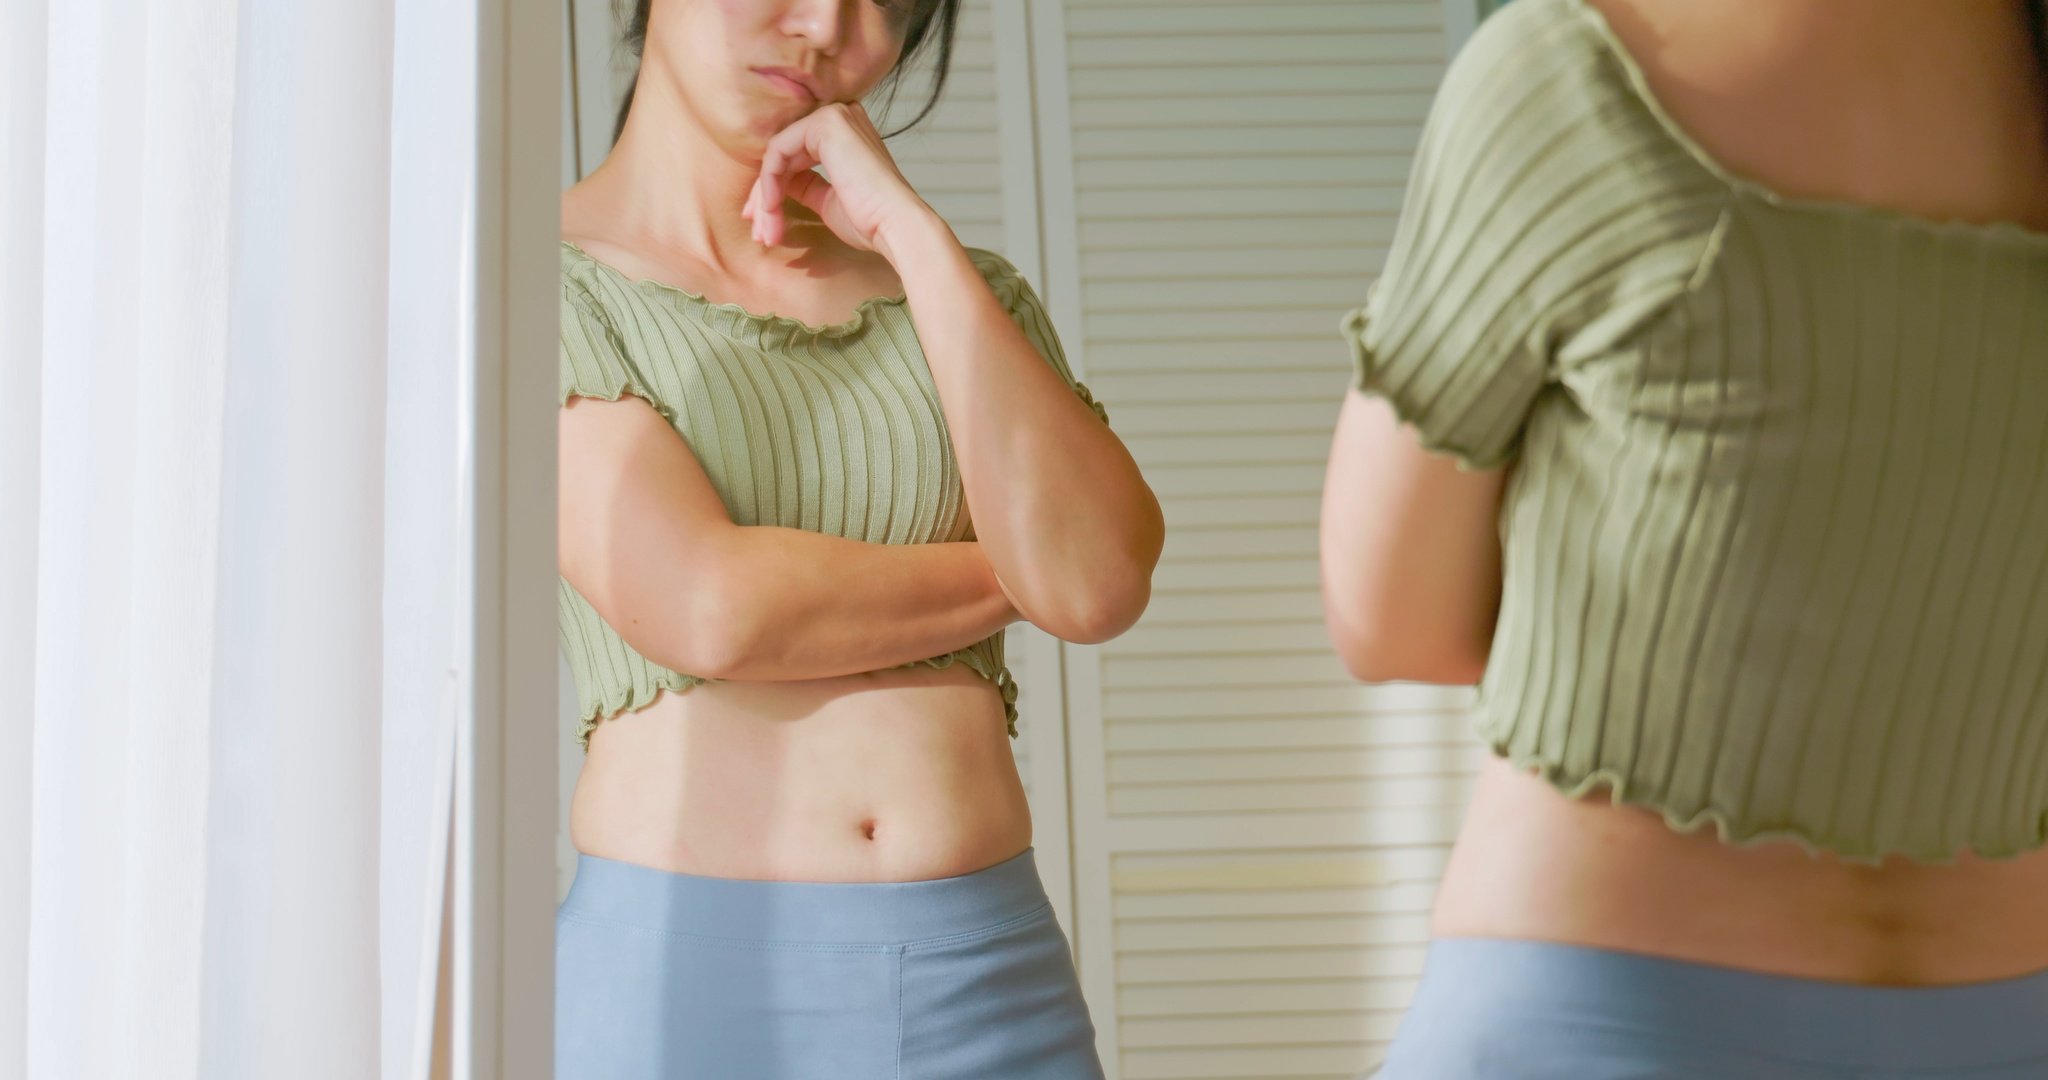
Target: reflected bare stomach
[
  {"x": 897, "y": 775},
  {"x": 1531, "y": 863}
]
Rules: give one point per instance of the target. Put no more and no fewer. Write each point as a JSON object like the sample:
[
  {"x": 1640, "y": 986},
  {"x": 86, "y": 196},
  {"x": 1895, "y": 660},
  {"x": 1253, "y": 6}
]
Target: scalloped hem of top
[
  {"x": 1366, "y": 378},
  {"x": 1006, "y": 684},
  {"x": 1997, "y": 231},
  {"x": 1088, "y": 397},
  {"x": 677, "y": 682},
  {"x": 767, "y": 320},
  {"x": 674, "y": 681},
  {"x": 1726, "y": 825},
  {"x": 631, "y": 389}
]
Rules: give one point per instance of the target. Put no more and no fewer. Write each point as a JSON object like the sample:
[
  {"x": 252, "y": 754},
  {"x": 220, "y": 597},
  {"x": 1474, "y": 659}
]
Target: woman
[
  {"x": 1698, "y": 418},
  {"x": 805, "y": 847}
]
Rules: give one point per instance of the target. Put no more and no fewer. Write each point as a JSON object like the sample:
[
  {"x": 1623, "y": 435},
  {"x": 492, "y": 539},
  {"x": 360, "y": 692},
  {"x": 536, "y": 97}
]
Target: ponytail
[{"x": 635, "y": 41}]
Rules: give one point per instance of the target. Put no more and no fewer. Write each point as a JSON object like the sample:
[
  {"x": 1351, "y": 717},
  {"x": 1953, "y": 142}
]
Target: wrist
[{"x": 917, "y": 230}]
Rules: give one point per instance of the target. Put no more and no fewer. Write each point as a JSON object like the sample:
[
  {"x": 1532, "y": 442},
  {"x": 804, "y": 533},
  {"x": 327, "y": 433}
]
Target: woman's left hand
[{"x": 866, "y": 194}]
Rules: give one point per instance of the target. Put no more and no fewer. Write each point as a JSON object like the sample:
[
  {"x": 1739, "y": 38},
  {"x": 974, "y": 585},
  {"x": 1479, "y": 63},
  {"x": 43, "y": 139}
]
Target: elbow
[
  {"x": 707, "y": 634},
  {"x": 1098, "y": 607},
  {"x": 1376, "y": 654},
  {"x": 1121, "y": 600},
  {"x": 1116, "y": 604},
  {"x": 1383, "y": 666},
  {"x": 1106, "y": 615},
  {"x": 1099, "y": 610}
]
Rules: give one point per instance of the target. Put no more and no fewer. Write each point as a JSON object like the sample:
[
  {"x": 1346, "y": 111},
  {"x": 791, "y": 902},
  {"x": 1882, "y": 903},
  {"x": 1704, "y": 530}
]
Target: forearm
[
  {"x": 807, "y": 606},
  {"x": 1061, "y": 509}
]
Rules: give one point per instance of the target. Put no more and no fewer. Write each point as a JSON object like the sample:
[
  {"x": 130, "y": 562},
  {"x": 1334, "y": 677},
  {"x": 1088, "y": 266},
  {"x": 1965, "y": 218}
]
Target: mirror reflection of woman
[
  {"x": 1699, "y": 418},
  {"x": 805, "y": 849}
]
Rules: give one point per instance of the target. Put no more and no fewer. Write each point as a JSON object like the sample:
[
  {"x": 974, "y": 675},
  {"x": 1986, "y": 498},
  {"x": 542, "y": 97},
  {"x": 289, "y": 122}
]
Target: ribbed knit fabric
[
  {"x": 836, "y": 429},
  {"x": 1776, "y": 539}
]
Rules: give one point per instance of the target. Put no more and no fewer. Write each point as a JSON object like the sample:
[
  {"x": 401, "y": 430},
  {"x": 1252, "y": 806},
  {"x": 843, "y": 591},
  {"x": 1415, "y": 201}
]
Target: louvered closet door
[
  {"x": 972, "y": 159},
  {"x": 1257, "y": 838}
]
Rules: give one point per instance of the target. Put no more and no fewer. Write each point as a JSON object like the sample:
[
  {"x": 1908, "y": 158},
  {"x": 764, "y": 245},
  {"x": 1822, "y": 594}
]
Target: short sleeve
[
  {"x": 1028, "y": 311},
  {"x": 1543, "y": 200},
  {"x": 595, "y": 361}
]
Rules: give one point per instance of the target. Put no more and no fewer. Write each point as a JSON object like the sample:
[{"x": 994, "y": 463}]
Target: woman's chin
[{"x": 756, "y": 121}]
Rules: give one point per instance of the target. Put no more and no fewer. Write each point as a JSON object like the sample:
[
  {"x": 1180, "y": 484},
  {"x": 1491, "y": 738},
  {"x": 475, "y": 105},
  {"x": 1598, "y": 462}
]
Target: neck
[{"x": 673, "y": 187}]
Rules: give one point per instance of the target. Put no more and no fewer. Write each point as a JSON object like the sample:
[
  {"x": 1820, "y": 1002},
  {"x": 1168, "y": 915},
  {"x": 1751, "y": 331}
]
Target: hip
[
  {"x": 1531, "y": 863},
  {"x": 1531, "y": 1010},
  {"x": 661, "y": 974}
]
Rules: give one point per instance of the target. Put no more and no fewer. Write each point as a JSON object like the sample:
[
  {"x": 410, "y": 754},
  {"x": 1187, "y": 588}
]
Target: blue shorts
[
  {"x": 1527, "y": 1010},
  {"x": 666, "y": 976}
]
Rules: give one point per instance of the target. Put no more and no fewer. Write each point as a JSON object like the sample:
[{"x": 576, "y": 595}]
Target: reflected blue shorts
[
  {"x": 1526, "y": 1010},
  {"x": 666, "y": 976}
]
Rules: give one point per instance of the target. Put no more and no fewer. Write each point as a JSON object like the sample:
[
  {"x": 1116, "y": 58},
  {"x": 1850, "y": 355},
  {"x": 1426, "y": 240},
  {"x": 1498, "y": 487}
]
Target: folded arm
[
  {"x": 645, "y": 538},
  {"x": 1059, "y": 505}
]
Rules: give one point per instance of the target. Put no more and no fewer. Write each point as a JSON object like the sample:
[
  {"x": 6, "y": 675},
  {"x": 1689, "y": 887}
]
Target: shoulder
[
  {"x": 583, "y": 287},
  {"x": 597, "y": 296},
  {"x": 1544, "y": 160},
  {"x": 993, "y": 265},
  {"x": 1009, "y": 283},
  {"x": 1560, "y": 31},
  {"x": 581, "y": 277},
  {"x": 1544, "y": 90},
  {"x": 1534, "y": 47}
]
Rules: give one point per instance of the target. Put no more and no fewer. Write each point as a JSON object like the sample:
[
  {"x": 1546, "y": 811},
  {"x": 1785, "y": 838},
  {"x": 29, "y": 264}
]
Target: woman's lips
[{"x": 788, "y": 83}]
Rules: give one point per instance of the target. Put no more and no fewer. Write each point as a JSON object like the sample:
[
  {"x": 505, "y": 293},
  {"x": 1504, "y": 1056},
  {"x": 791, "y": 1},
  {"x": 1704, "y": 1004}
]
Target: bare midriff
[
  {"x": 1531, "y": 863},
  {"x": 898, "y": 775}
]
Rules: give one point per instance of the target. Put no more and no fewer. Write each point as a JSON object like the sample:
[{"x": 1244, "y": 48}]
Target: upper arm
[
  {"x": 1508, "y": 240},
  {"x": 1028, "y": 311},
  {"x": 1411, "y": 564},
  {"x": 1111, "y": 582},
  {"x": 640, "y": 527}
]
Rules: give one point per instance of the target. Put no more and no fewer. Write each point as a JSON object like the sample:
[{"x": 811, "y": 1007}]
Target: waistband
[
  {"x": 805, "y": 912},
  {"x": 1782, "y": 1016}
]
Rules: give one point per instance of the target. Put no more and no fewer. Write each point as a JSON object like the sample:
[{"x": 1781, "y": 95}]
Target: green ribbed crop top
[
  {"x": 836, "y": 429},
  {"x": 1775, "y": 541}
]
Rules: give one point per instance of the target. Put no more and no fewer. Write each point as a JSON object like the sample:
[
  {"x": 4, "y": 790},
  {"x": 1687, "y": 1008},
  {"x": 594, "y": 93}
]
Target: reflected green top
[
  {"x": 1776, "y": 541},
  {"x": 835, "y": 429}
]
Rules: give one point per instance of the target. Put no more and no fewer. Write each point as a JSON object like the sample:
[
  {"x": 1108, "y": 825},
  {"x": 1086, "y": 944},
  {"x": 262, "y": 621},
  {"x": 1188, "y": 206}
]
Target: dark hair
[
  {"x": 929, "y": 21},
  {"x": 2037, "y": 21}
]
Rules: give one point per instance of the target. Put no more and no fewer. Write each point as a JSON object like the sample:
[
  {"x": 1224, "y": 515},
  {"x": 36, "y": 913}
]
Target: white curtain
[{"x": 233, "y": 319}]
